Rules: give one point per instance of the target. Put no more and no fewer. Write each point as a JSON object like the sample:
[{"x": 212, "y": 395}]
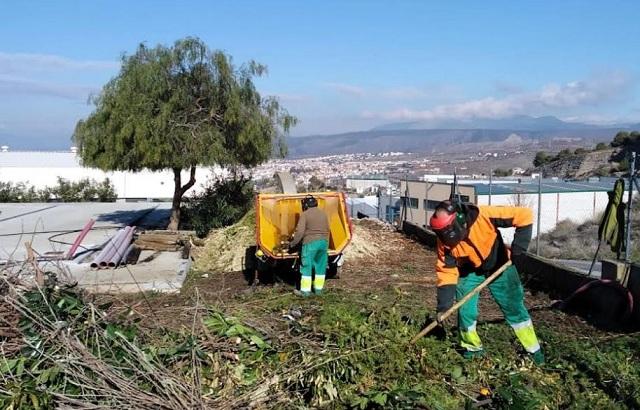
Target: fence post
[
  {"x": 539, "y": 214},
  {"x": 490, "y": 183},
  {"x": 632, "y": 171}
]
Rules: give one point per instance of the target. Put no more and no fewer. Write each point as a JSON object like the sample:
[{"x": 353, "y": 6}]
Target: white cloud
[
  {"x": 23, "y": 62},
  {"x": 593, "y": 91},
  {"x": 19, "y": 86},
  {"x": 347, "y": 89}
]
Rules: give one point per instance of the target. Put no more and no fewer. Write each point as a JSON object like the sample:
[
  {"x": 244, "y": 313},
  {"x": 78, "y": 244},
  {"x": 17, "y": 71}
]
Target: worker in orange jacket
[{"x": 470, "y": 248}]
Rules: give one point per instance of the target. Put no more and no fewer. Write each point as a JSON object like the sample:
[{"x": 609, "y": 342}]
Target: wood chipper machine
[{"x": 276, "y": 219}]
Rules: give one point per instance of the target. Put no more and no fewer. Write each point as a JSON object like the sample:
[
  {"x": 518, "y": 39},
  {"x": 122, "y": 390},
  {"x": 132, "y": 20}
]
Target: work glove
[
  {"x": 518, "y": 257},
  {"x": 446, "y": 295}
]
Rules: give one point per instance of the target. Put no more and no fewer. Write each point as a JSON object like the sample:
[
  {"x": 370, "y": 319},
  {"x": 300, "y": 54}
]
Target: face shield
[{"x": 448, "y": 228}]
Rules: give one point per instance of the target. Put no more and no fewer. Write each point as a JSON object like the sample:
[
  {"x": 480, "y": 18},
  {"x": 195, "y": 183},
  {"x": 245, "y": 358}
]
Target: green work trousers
[
  {"x": 314, "y": 258},
  {"x": 507, "y": 291}
]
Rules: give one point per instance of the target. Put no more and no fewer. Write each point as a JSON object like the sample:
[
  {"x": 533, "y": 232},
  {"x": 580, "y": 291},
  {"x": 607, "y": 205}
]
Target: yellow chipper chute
[{"x": 276, "y": 219}]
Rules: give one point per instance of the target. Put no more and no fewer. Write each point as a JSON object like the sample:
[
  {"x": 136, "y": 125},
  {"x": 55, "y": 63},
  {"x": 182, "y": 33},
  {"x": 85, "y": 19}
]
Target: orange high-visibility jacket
[{"x": 483, "y": 251}]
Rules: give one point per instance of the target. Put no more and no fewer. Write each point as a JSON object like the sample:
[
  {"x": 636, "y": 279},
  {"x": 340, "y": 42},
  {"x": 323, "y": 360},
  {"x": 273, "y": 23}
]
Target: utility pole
[
  {"x": 406, "y": 197},
  {"x": 490, "y": 183},
  {"x": 390, "y": 210},
  {"x": 632, "y": 171}
]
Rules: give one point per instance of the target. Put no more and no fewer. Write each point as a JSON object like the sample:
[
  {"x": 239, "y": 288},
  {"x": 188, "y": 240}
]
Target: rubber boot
[
  {"x": 538, "y": 357},
  {"x": 470, "y": 354}
]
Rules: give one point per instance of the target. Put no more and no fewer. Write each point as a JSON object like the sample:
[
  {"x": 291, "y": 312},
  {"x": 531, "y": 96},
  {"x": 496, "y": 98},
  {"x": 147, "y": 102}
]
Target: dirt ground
[{"x": 401, "y": 264}]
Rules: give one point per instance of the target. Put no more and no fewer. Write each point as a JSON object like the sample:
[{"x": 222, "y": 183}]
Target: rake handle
[{"x": 462, "y": 301}]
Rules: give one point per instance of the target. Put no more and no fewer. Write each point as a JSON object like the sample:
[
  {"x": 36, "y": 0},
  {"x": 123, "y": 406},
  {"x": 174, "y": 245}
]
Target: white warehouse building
[
  {"x": 372, "y": 183},
  {"x": 42, "y": 168}
]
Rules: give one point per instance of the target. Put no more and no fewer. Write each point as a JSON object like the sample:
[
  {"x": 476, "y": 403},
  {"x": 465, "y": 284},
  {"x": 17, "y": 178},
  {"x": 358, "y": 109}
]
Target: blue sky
[{"x": 337, "y": 65}]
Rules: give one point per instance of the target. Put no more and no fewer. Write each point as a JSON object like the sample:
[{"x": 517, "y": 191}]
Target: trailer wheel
[
  {"x": 333, "y": 268},
  {"x": 333, "y": 271}
]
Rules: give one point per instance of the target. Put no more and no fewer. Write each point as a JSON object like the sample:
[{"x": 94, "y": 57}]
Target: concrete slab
[
  {"x": 166, "y": 272},
  {"x": 37, "y": 223}
]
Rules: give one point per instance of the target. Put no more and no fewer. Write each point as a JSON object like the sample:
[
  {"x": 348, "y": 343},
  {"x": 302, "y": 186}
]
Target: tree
[
  {"x": 601, "y": 146},
  {"x": 564, "y": 154},
  {"x": 541, "y": 158},
  {"x": 315, "y": 183},
  {"x": 499, "y": 172},
  {"x": 626, "y": 142},
  {"x": 620, "y": 139},
  {"x": 179, "y": 107}
]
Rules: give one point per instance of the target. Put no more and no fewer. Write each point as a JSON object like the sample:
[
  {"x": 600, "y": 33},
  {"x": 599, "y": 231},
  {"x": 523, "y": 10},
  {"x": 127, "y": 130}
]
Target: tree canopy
[{"x": 178, "y": 107}]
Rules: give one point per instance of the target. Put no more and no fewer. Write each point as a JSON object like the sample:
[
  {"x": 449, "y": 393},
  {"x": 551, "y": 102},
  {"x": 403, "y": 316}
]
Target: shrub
[
  {"x": 222, "y": 203},
  {"x": 541, "y": 158},
  {"x": 66, "y": 191},
  {"x": 499, "y": 172},
  {"x": 84, "y": 190}
]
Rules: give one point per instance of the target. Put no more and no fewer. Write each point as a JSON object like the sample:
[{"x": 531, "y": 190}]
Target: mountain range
[
  {"x": 446, "y": 135},
  {"x": 417, "y": 136}
]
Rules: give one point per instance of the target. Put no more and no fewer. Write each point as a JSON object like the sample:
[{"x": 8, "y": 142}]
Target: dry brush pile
[
  {"x": 225, "y": 250},
  {"x": 569, "y": 240},
  {"x": 269, "y": 348}
]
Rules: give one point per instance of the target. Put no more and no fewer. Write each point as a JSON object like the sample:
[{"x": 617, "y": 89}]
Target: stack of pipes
[{"x": 115, "y": 250}]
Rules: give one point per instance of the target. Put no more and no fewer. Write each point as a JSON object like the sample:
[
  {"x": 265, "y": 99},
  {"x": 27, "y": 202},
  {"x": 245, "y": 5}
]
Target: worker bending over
[
  {"x": 313, "y": 231},
  {"x": 470, "y": 248}
]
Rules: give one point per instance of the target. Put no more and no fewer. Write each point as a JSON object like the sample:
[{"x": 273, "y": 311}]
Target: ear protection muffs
[
  {"x": 452, "y": 227},
  {"x": 458, "y": 208},
  {"x": 455, "y": 207}
]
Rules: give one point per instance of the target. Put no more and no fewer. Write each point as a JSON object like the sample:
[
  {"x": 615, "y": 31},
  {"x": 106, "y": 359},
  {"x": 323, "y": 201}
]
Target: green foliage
[
  {"x": 626, "y": 142},
  {"x": 541, "y": 158},
  {"x": 623, "y": 165},
  {"x": 35, "y": 374},
  {"x": 499, "y": 172},
  {"x": 563, "y": 154},
  {"x": 84, "y": 190},
  {"x": 603, "y": 171},
  {"x": 21, "y": 192},
  {"x": 315, "y": 184},
  {"x": 626, "y": 139},
  {"x": 222, "y": 203},
  {"x": 601, "y": 146},
  {"x": 344, "y": 350}
]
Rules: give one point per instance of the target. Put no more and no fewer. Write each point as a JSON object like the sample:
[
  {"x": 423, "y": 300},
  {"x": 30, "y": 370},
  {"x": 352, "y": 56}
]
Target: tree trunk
[{"x": 178, "y": 192}]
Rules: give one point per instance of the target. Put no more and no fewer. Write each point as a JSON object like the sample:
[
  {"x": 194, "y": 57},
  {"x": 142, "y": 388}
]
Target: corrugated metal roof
[{"x": 39, "y": 159}]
